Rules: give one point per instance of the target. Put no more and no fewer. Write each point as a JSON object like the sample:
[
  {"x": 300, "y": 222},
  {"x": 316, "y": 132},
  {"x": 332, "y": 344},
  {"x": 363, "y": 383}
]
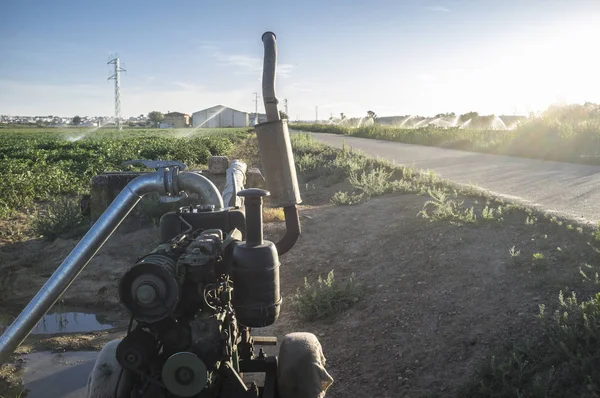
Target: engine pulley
[
  {"x": 184, "y": 374},
  {"x": 149, "y": 290},
  {"x": 136, "y": 350}
]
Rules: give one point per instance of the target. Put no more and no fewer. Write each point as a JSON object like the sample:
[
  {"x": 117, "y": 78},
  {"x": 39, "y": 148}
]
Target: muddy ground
[{"x": 440, "y": 298}]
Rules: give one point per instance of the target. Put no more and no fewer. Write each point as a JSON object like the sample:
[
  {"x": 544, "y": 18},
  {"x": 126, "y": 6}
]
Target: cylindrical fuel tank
[{"x": 255, "y": 275}]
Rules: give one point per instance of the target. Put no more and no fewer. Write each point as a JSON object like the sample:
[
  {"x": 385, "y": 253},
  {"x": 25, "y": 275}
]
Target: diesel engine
[{"x": 194, "y": 299}]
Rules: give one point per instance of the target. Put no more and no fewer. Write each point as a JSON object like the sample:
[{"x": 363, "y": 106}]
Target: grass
[
  {"x": 11, "y": 384},
  {"x": 349, "y": 199},
  {"x": 40, "y": 164},
  {"x": 60, "y": 219},
  {"x": 530, "y": 220},
  {"x": 325, "y": 298},
  {"x": 568, "y": 133},
  {"x": 442, "y": 207},
  {"x": 539, "y": 259},
  {"x": 273, "y": 214},
  {"x": 560, "y": 357},
  {"x": 319, "y": 165},
  {"x": 559, "y": 360}
]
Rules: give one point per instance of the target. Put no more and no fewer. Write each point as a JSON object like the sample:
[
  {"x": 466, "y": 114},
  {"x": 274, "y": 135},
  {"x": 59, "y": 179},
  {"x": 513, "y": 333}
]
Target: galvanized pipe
[
  {"x": 164, "y": 181},
  {"x": 189, "y": 181},
  {"x": 234, "y": 183},
  {"x": 269, "y": 72}
]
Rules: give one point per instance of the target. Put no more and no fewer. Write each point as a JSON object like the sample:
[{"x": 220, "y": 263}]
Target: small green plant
[
  {"x": 514, "y": 253},
  {"x": 570, "y": 227},
  {"x": 325, "y": 298},
  {"x": 444, "y": 208},
  {"x": 538, "y": 258},
  {"x": 580, "y": 230},
  {"x": 531, "y": 220},
  {"x": 61, "y": 218},
  {"x": 471, "y": 190},
  {"x": 488, "y": 213},
  {"x": 559, "y": 359},
  {"x": 348, "y": 199},
  {"x": 589, "y": 269},
  {"x": 597, "y": 233},
  {"x": 373, "y": 183}
]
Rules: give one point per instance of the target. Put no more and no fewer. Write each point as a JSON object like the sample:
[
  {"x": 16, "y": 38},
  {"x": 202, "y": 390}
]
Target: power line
[{"x": 117, "y": 78}]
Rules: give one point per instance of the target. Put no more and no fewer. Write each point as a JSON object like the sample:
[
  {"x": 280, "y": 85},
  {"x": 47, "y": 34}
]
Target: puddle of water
[
  {"x": 63, "y": 375},
  {"x": 71, "y": 322}
]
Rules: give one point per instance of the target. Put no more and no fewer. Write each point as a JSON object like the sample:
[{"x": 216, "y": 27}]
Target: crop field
[
  {"x": 567, "y": 134},
  {"x": 42, "y": 164}
]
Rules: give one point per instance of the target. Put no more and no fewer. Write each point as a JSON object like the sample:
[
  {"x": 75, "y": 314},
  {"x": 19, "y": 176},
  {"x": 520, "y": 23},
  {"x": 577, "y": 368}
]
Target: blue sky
[{"x": 393, "y": 57}]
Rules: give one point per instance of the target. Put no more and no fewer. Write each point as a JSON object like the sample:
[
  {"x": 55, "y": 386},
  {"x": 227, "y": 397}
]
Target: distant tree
[
  {"x": 156, "y": 117},
  {"x": 371, "y": 115},
  {"x": 40, "y": 123},
  {"x": 77, "y": 120},
  {"x": 342, "y": 116},
  {"x": 469, "y": 115},
  {"x": 283, "y": 115}
]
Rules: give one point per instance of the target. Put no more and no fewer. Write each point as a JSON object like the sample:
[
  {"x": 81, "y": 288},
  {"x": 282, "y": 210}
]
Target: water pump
[{"x": 194, "y": 299}]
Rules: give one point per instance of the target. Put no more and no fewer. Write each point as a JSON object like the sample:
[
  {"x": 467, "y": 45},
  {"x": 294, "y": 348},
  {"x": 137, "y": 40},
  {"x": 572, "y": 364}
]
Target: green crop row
[
  {"x": 567, "y": 134},
  {"x": 37, "y": 164}
]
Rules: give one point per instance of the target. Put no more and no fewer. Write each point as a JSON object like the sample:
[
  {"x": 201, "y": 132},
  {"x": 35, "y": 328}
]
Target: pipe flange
[
  {"x": 172, "y": 181},
  {"x": 168, "y": 181},
  {"x": 175, "y": 177}
]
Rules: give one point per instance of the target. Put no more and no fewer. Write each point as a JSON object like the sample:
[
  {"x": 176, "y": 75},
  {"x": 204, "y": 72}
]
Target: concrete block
[
  {"x": 218, "y": 164},
  {"x": 255, "y": 179}
]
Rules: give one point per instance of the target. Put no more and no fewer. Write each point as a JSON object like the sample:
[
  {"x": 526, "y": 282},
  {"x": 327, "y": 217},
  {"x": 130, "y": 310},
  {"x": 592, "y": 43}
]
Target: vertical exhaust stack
[{"x": 276, "y": 151}]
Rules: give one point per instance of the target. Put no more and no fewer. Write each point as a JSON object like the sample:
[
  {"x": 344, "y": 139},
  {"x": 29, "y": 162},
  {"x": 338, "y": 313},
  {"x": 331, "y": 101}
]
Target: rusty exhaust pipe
[{"x": 276, "y": 151}]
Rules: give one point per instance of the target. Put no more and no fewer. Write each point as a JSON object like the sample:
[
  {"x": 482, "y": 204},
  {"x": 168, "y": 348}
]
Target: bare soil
[{"x": 440, "y": 298}]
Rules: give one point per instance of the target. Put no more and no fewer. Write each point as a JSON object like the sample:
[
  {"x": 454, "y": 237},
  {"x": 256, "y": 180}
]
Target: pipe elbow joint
[{"x": 194, "y": 182}]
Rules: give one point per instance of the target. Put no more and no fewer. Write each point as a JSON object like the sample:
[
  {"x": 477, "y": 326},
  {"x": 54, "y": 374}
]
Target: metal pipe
[
  {"x": 268, "y": 80},
  {"x": 276, "y": 151},
  {"x": 79, "y": 257},
  {"x": 292, "y": 230},
  {"x": 234, "y": 183},
  {"x": 189, "y": 181},
  {"x": 163, "y": 182}
]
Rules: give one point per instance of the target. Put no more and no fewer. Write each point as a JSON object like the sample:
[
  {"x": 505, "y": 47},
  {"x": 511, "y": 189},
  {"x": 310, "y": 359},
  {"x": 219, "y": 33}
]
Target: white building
[{"x": 219, "y": 116}]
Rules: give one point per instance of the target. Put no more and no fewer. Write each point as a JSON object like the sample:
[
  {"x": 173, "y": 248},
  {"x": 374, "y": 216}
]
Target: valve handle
[{"x": 155, "y": 164}]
